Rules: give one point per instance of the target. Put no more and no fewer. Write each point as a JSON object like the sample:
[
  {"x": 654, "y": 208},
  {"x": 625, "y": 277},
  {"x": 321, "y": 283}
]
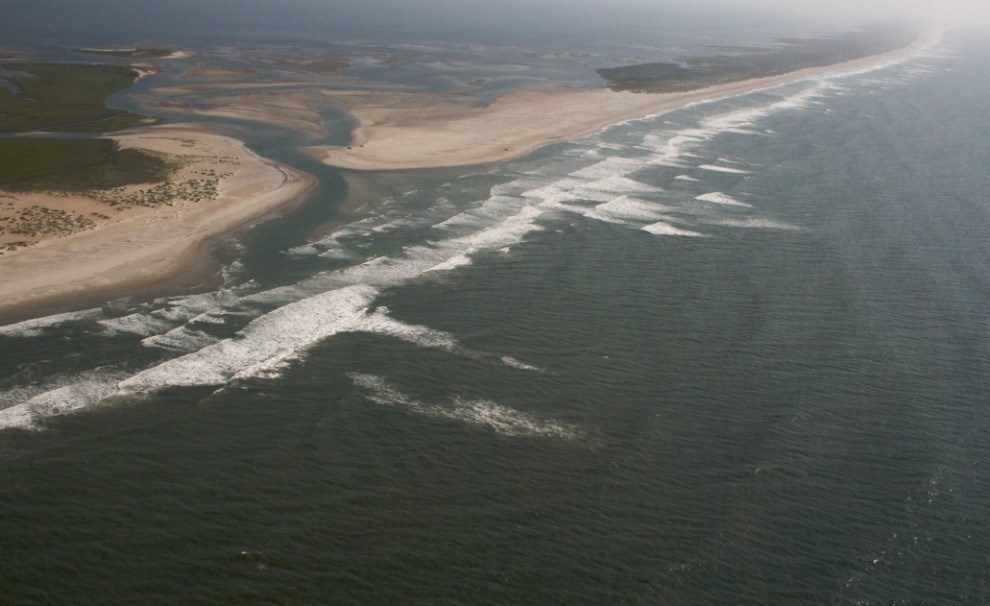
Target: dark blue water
[{"x": 737, "y": 353}]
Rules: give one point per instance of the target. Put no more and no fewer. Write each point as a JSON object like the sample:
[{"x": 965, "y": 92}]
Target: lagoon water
[{"x": 735, "y": 353}]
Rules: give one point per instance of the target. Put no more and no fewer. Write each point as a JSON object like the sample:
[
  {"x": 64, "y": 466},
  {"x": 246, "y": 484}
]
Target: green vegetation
[
  {"x": 164, "y": 194},
  {"x": 126, "y": 52},
  {"x": 67, "y": 97},
  {"x": 747, "y": 63},
  {"x": 74, "y": 165},
  {"x": 41, "y": 221}
]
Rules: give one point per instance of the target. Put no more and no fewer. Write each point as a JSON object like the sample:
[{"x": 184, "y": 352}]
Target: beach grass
[{"x": 75, "y": 165}]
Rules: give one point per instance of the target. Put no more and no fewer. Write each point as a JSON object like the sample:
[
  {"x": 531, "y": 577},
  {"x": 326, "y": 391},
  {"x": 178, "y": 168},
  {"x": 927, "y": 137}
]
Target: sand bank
[
  {"x": 407, "y": 131},
  {"x": 220, "y": 186},
  {"x": 296, "y": 109}
]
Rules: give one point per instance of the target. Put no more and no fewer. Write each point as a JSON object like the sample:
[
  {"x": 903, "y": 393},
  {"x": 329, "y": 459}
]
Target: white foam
[
  {"x": 506, "y": 420},
  {"x": 136, "y": 324},
  {"x": 510, "y": 231},
  {"x": 185, "y": 308},
  {"x": 66, "y": 395},
  {"x": 755, "y": 224},
  {"x": 490, "y": 415},
  {"x": 271, "y": 340},
  {"x": 207, "y": 307},
  {"x": 440, "y": 256},
  {"x": 339, "y": 253},
  {"x": 625, "y": 208},
  {"x": 233, "y": 272},
  {"x": 264, "y": 344},
  {"x": 304, "y": 250},
  {"x": 495, "y": 208},
  {"x": 514, "y": 363},
  {"x": 609, "y": 167},
  {"x": 212, "y": 316},
  {"x": 516, "y": 187},
  {"x": 331, "y": 245},
  {"x": 257, "y": 351},
  {"x": 661, "y": 228},
  {"x": 686, "y": 178},
  {"x": 724, "y": 169},
  {"x": 379, "y": 322},
  {"x": 669, "y": 151},
  {"x": 603, "y": 190},
  {"x": 33, "y": 328},
  {"x": 553, "y": 197},
  {"x": 608, "y": 181},
  {"x": 718, "y": 197},
  {"x": 182, "y": 339}
]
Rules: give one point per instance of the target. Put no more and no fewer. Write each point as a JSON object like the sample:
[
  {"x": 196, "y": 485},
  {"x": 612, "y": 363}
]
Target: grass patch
[
  {"x": 74, "y": 165},
  {"x": 68, "y": 97}
]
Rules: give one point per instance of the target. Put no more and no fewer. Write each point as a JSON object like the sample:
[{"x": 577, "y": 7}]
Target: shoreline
[
  {"x": 151, "y": 251},
  {"x": 144, "y": 249},
  {"x": 398, "y": 131}
]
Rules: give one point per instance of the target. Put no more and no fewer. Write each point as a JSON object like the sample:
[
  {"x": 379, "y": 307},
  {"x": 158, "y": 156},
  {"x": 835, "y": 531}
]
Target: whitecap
[
  {"x": 486, "y": 414},
  {"x": 36, "y": 326},
  {"x": 718, "y": 197},
  {"x": 264, "y": 344},
  {"x": 625, "y": 208},
  {"x": 184, "y": 308},
  {"x": 139, "y": 324},
  {"x": 271, "y": 340},
  {"x": 724, "y": 169},
  {"x": 183, "y": 339},
  {"x": 67, "y": 394},
  {"x": 514, "y": 363},
  {"x": 754, "y": 223},
  {"x": 662, "y": 228},
  {"x": 609, "y": 167}
]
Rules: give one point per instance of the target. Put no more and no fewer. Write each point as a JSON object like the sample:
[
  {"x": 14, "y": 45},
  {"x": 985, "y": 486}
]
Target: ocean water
[{"x": 734, "y": 353}]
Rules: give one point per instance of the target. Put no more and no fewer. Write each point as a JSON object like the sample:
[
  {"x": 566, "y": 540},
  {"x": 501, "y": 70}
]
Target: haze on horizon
[
  {"x": 938, "y": 12},
  {"x": 55, "y": 16}
]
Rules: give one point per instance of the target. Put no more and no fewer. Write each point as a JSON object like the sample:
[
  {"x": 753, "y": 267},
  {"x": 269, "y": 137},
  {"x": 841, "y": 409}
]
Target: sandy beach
[
  {"x": 408, "y": 131},
  {"x": 220, "y": 186}
]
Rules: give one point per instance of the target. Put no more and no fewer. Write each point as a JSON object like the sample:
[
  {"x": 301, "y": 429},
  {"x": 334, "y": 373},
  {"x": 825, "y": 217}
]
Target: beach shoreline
[
  {"x": 397, "y": 131},
  {"x": 150, "y": 251},
  {"x": 140, "y": 249}
]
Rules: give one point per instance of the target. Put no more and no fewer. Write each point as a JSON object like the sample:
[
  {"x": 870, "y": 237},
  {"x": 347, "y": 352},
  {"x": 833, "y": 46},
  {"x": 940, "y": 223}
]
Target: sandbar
[
  {"x": 398, "y": 131},
  {"x": 296, "y": 110},
  {"x": 138, "y": 245}
]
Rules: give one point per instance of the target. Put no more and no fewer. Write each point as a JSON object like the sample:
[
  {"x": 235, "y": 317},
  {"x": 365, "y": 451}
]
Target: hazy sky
[
  {"x": 953, "y": 11},
  {"x": 52, "y": 20}
]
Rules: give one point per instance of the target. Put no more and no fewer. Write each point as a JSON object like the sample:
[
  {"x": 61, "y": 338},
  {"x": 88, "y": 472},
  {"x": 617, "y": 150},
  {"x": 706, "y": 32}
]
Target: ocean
[{"x": 734, "y": 353}]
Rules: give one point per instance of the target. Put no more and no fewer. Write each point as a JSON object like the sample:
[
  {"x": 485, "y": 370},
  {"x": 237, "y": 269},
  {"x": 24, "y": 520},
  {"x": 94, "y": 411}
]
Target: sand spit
[
  {"x": 143, "y": 234},
  {"x": 408, "y": 131}
]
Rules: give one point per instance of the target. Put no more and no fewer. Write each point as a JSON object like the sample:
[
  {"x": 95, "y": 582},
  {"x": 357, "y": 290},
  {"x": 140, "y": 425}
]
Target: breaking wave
[{"x": 485, "y": 414}]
